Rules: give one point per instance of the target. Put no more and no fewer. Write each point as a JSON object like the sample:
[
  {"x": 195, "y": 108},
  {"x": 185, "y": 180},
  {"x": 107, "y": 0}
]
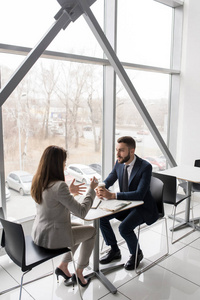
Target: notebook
[{"x": 113, "y": 205}]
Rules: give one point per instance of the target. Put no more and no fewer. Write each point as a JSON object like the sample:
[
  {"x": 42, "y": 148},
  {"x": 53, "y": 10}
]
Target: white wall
[{"x": 189, "y": 121}]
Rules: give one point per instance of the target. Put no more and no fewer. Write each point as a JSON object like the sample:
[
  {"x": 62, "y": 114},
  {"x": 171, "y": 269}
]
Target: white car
[
  {"x": 82, "y": 173},
  {"x": 137, "y": 138},
  {"x": 20, "y": 181}
]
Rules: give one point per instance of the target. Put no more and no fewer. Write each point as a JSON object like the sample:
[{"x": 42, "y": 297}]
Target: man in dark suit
[{"x": 135, "y": 187}]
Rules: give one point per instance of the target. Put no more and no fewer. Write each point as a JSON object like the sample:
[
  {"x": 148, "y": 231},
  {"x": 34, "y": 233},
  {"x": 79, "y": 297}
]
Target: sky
[{"x": 140, "y": 37}]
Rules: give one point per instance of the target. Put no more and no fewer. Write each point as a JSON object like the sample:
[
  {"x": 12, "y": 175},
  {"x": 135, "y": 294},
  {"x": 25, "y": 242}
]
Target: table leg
[
  {"x": 97, "y": 272},
  {"x": 191, "y": 222},
  {"x": 187, "y": 222},
  {"x": 188, "y": 201},
  {"x": 96, "y": 247}
]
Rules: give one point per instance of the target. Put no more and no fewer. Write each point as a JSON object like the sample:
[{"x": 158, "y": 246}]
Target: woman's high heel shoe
[
  {"x": 80, "y": 282},
  {"x": 84, "y": 284},
  {"x": 59, "y": 272}
]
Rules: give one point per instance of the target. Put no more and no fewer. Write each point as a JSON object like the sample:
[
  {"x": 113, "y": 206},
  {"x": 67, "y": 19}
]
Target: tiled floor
[{"x": 176, "y": 277}]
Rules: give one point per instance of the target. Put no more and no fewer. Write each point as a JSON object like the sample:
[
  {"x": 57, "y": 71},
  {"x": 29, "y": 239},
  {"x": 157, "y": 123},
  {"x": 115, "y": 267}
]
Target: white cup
[{"x": 101, "y": 185}]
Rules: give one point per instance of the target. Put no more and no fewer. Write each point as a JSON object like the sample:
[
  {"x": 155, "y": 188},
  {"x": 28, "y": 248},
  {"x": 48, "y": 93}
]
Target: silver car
[
  {"x": 82, "y": 173},
  {"x": 20, "y": 181}
]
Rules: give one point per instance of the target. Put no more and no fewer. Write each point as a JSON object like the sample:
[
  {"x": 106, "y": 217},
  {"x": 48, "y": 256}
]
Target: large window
[
  {"x": 148, "y": 28},
  {"x": 26, "y": 22},
  {"x": 56, "y": 103},
  {"x": 154, "y": 92},
  {"x": 61, "y": 101}
]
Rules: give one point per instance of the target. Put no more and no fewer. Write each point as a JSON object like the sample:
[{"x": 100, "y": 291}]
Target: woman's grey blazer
[{"x": 52, "y": 225}]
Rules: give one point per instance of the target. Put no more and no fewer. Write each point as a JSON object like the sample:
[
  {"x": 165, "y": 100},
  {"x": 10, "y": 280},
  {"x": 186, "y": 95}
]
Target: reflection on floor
[{"x": 176, "y": 277}]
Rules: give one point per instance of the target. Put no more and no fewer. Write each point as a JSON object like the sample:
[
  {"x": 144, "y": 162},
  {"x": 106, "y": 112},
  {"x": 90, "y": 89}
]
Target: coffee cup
[{"x": 101, "y": 185}]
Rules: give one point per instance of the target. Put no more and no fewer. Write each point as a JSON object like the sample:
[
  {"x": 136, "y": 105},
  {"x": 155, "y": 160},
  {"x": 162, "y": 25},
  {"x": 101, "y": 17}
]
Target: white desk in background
[
  {"x": 95, "y": 215},
  {"x": 190, "y": 174}
]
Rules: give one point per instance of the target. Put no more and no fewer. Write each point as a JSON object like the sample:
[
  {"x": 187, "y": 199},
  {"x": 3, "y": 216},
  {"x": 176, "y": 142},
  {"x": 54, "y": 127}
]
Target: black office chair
[
  {"x": 23, "y": 252},
  {"x": 170, "y": 196},
  {"x": 156, "y": 188},
  {"x": 195, "y": 187},
  {"x": 3, "y": 217}
]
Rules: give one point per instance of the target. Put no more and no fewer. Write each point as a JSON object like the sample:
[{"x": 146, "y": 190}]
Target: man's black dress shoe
[
  {"x": 110, "y": 256},
  {"x": 130, "y": 265}
]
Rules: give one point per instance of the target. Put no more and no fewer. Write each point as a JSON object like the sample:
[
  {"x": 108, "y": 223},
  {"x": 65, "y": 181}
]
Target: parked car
[
  {"x": 96, "y": 167},
  {"x": 20, "y": 181},
  {"x": 162, "y": 158},
  {"x": 143, "y": 132},
  {"x": 157, "y": 161},
  {"x": 87, "y": 128},
  {"x": 137, "y": 138},
  {"x": 82, "y": 173},
  {"x": 68, "y": 177},
  {"x": 155, "y": 168}
]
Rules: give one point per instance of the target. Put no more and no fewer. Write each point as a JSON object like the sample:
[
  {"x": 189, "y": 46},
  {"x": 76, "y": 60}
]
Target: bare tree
[
  {"x": 71, "y": 90},
  {"x": 94, "y": 109},
  {"x": 95, "y": 105},
  {"x": 18, "y": 113},
  {"x": 49, "y": 79}
]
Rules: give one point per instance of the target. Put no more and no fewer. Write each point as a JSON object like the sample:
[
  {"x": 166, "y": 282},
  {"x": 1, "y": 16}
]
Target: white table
[
  {"x": 95, "y": 215},
  {"x": 190, "y": 174}
]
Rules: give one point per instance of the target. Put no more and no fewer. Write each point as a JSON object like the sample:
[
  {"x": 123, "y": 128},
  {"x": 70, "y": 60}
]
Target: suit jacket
[
  {"x": 139, "y": 187},
  {"x": 52, "y": 225}
]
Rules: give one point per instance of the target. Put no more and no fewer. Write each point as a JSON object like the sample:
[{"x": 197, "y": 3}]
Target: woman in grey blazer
[{"x": 52, "y": 226}]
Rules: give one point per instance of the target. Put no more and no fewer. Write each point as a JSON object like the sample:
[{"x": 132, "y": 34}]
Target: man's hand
[
  {"x": 104, "y": 193},
  {"x": 77, "y": 189}
]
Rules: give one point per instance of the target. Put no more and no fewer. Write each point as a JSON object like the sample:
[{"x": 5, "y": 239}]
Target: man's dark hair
[{"x": 128, "y": 140}]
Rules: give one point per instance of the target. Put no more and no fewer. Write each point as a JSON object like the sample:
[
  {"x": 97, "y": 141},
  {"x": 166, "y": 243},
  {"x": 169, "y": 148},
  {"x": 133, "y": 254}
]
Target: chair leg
[
  {"x": 136, "y": 255},
  {"x": 192, "y": 206},
  {"x": 174, "y": 214},
  {"x": 186, "y": 234},
  {"x": 72, "y": 256},
  {"x": 102, "y": 243},
  {"x": 157, "y": 260},
  {"x": 22, "y": 278}
]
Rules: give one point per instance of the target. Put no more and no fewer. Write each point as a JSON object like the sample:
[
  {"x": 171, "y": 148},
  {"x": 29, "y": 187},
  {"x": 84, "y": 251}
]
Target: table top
[
  {"x": 184, "y": 172},
  {"x": 97, "y": 213}
]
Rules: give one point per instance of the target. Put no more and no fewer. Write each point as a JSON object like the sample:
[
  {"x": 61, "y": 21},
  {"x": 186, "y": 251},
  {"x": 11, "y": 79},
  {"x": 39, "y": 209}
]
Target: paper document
[
  {"x": 113, "y": 205},
  {"x": 96, "y": 202}
]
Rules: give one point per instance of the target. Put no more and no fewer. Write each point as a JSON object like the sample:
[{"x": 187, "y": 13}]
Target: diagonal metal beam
[
  {"x": 62, "y": 22},
  {"x": 70, "y": 11},
  {"x": 114, "y": 61}
]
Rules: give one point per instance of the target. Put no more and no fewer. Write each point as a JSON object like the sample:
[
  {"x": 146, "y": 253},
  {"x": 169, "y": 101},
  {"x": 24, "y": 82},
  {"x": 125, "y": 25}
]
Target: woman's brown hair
[{"x": 50, "y": 169}]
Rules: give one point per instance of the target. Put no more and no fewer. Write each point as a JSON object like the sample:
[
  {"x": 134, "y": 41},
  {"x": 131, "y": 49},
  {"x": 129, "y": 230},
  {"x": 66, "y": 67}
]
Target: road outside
[{"x": 19, "y": 207}]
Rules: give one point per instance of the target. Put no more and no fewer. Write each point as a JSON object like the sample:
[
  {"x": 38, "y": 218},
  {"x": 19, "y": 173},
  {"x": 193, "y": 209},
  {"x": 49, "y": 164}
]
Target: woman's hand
[
  {"x": 93, "y": 183},
  {"x": 77, "y": 189}
]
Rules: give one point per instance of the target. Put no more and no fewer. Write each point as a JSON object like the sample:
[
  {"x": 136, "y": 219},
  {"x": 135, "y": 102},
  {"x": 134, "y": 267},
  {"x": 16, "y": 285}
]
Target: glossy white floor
[{"x": 176, "y": 277}]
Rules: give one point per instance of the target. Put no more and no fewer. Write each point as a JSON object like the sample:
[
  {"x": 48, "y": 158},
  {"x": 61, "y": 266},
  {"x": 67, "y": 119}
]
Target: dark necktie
[{"x": 125, "y": 179}]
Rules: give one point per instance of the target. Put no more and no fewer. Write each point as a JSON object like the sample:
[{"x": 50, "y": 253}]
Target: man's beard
[{"x": 125, "y": 159}]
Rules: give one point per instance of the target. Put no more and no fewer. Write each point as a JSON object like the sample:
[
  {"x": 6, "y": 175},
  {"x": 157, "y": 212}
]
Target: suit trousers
[
  {"x": 130, "y": 219},
  {"x": 84, "y": 235}
]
